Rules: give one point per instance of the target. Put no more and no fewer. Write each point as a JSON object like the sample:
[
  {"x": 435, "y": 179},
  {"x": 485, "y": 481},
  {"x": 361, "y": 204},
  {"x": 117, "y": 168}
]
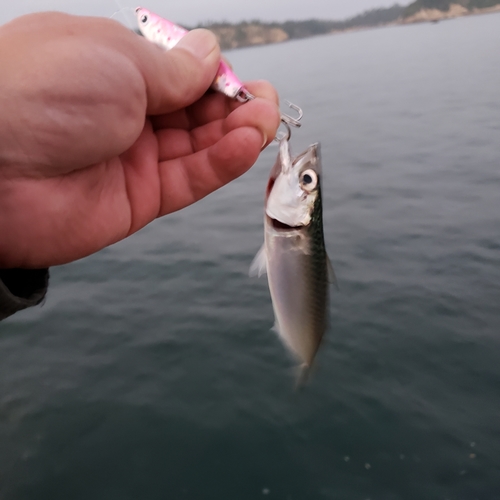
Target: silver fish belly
[{"x": 294, "y": 254}]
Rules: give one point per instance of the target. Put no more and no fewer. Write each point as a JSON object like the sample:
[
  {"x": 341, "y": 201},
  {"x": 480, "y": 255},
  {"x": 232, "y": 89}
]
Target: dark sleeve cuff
[{"x": 21, "y": 288}]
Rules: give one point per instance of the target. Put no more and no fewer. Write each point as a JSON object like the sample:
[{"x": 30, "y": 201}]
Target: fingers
[
  {"x": 213, "y": 107},
  {"x": 260, "y": 114},
  {"x": 195, "y": 163},
  {"x": 262, "y": 88},
  {"x": 186, "y": 180},
  {"x": 178, "y": 77}
]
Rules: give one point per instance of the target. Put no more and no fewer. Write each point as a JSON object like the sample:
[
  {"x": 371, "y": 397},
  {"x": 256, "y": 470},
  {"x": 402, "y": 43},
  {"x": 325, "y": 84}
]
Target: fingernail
[
  {"x": 199, "y": 42},
  {"x": 265, "y": 141}
]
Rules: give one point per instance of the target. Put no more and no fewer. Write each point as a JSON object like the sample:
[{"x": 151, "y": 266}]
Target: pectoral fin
[{"x": 258, "y": 267}]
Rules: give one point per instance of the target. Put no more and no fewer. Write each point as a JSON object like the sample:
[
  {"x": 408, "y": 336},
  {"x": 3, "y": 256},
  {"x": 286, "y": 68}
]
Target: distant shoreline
[
  {"x": 455, "y": 10},
  {"x": 250, "y": 34},
  {"x": 432, "y": 17}
]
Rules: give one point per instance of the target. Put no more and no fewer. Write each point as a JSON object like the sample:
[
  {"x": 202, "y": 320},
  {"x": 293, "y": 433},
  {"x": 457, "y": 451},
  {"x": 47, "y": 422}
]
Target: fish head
[{"x": 294, "y": 186}]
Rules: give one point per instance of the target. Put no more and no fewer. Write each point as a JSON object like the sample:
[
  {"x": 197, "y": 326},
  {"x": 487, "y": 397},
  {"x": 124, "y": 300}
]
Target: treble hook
[{"x": 288, "y": 120}]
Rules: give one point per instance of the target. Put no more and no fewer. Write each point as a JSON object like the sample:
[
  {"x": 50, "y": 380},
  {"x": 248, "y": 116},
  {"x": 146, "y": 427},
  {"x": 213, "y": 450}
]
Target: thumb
[{"x": 178, "y": 77}]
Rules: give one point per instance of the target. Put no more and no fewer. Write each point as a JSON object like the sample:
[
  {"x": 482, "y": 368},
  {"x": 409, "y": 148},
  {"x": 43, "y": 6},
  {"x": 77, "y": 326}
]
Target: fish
[
  {"x": 166, "y": 34},
  {"x": 294, "y": 255}
]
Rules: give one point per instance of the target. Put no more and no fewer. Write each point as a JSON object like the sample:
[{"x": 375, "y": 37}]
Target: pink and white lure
[{"x": 167, "y": 34}]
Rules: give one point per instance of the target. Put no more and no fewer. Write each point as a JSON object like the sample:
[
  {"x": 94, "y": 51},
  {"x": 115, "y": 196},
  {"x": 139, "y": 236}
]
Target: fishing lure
[{"x": 167, "y": 34}]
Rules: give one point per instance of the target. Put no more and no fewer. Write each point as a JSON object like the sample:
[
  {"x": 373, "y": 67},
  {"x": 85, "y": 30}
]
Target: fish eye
[
  {"x": 308, "y": 180},
  {"x": 144, "y": 19}
]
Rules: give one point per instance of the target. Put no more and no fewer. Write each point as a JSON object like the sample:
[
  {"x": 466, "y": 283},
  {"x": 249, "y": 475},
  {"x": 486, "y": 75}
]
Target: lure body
[{"x": 167, "y": 34}]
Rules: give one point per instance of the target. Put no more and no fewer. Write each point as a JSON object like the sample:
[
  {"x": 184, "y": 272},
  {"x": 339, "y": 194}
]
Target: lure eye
[
  {"x": 144, "y": 19},
  {"x": 308, "y": 180}
]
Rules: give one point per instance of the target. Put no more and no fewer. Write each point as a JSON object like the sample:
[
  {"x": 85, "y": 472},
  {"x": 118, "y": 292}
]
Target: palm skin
[{"x": 102, "y": 132}]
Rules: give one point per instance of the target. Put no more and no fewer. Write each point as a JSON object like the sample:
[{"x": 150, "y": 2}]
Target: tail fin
[{"x": 303, "y": 372}]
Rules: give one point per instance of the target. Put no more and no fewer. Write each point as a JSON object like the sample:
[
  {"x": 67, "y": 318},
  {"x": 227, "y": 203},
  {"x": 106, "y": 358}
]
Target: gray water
[{"x": 151, "y": 371}]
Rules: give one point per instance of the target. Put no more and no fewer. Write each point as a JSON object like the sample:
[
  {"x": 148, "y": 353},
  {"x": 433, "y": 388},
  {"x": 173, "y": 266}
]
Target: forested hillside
[
  {"x": 257, "y": 32},
  {"x": 444, "y": 5}
]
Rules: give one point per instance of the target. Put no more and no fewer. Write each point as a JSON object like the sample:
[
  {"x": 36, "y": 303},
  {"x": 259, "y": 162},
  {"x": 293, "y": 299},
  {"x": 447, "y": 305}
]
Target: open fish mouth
[{"x": 282, "y": 226}]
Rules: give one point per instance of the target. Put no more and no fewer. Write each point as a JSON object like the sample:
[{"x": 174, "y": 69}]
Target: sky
[{"x": 192, "y": 12}]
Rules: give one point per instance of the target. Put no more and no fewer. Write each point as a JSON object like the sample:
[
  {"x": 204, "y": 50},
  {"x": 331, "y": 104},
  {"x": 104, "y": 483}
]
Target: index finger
[{"x": 212, "y": 107}]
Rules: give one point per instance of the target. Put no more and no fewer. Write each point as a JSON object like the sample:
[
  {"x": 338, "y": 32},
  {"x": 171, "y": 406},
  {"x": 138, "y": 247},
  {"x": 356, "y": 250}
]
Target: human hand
[{"x": 101, "y": 132}]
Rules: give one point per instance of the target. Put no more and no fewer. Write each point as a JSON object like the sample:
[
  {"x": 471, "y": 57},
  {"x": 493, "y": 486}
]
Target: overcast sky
[{"x": 191, "y": 12}]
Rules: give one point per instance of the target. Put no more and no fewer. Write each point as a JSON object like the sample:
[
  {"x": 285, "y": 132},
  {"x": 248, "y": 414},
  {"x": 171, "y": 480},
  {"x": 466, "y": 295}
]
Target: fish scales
[{"x": 319, "y": 268}]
